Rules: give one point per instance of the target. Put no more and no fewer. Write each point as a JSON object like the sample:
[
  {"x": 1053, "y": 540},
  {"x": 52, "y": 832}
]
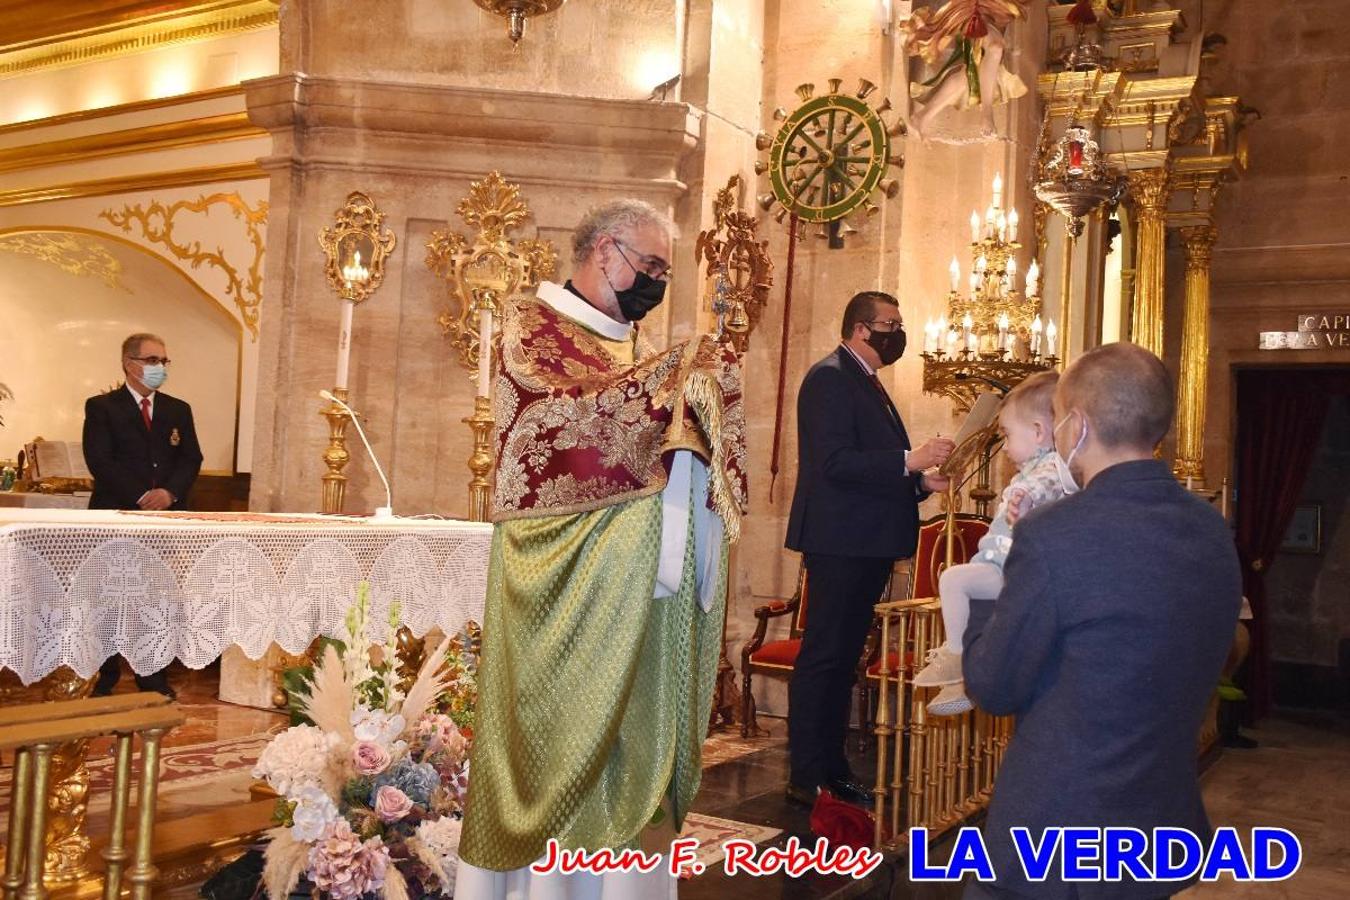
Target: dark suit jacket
[
  {"x": 1119, "y": 607},
  {"x": 853, "y": 497},
  {"x": 126, "y": 460}
]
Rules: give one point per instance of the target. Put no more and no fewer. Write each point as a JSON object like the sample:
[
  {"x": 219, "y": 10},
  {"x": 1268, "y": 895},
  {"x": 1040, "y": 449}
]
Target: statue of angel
[{"x": 966, "y": 41}]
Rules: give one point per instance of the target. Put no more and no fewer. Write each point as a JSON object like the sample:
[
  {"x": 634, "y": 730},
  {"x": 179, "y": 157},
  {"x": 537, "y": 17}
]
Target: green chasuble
[{"x": 594, "y": 695}]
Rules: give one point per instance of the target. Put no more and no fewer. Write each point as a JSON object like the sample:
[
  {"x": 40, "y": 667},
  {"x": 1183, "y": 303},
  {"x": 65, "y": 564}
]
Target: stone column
[
  {"x": 1149, "y": 187},
  {"x": 1194, "y": 374}
]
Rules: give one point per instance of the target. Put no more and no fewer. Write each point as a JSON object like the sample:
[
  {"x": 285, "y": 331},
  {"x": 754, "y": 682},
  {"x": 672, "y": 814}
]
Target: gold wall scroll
[
  {"x": 355, "y": 249},
  {"x": 156, "y": 224},
  {"x": 489, "y": 267},
  {"x": 738, "y": 268},
  {"x": 74, "y": 254}
]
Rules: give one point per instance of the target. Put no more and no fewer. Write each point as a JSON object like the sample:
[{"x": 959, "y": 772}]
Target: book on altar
[
  {"x": 58, "y": 459},
  {"x": 974, "y": 433}
]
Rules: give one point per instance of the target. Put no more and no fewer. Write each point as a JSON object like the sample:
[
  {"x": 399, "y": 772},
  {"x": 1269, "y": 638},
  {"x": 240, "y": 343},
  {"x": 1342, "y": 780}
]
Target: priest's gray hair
[{"x": 616, "y": 218}]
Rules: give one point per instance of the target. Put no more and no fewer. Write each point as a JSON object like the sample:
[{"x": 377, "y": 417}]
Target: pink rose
[
  {"x": 391, "y": 804},
  {"x": 370, "y": 758}
]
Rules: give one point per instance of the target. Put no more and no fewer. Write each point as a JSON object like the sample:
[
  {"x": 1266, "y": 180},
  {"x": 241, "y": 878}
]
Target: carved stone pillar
[
  {"x": 1194, "y": 374},
  {"x": 1149, "y": 187}
]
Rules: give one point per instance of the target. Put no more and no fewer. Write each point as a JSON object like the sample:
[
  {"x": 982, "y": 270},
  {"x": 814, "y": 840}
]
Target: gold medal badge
[{"x": 174, "y": 439}]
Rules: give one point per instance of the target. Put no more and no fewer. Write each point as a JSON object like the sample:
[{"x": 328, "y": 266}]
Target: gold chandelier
[
  {"x": 517, "y": 11},
  {"x": 992, "y": 334}
]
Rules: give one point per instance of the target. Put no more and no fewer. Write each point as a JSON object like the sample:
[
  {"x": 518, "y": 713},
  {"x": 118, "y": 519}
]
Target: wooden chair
[
  {"x": 930, "y": 560},
  {"x": 775, "y": 658}
]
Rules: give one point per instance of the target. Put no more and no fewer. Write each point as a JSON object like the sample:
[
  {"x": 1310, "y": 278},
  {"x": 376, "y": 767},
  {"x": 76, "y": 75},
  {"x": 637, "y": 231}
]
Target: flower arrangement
[{"x": 371, "y": 783}]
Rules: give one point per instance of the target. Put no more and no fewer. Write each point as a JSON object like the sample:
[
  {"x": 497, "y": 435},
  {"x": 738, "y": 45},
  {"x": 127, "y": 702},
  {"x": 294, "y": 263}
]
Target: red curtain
[{"x": 1280, "y": 418}]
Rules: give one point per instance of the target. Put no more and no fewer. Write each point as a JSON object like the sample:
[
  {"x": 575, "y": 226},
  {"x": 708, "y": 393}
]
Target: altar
[{"x": 81, "y": 586}]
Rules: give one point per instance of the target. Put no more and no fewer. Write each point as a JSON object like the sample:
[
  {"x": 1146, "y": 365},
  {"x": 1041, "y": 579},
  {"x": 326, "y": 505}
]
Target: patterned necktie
[
  {"x": 885, "y": 397},
  {"x": 145, "y": 412}
]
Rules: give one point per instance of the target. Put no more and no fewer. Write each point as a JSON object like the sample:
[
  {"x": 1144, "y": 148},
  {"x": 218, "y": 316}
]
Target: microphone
[
  {"x": 382, "y": 513},
  {"x": 999, "y": 386}
]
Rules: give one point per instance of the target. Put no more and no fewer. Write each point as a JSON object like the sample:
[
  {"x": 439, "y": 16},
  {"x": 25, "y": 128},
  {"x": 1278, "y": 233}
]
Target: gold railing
[
  {"x": 37, "y": 733},
  {"x": 932, "y": 771}
]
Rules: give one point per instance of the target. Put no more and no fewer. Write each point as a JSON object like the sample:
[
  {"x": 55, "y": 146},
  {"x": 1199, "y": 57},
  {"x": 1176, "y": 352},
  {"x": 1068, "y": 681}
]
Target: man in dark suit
[
  {"x": 855, "y": 511},
  {"x": 1108, "y": 638},
  {"x": 141, "y": 447}
]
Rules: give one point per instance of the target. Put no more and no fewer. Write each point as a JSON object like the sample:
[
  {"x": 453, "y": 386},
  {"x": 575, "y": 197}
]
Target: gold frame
[
  {"x": 357, "y": 222},
  {"x": 738, "y": 269}
]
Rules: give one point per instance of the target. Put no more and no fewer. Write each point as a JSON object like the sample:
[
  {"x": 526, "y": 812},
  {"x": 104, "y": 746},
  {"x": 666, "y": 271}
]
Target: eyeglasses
[
  {"x": 654, "y": 266},
  {"x": 886, "y": 326},
  {"x": 151, "y": 360}
]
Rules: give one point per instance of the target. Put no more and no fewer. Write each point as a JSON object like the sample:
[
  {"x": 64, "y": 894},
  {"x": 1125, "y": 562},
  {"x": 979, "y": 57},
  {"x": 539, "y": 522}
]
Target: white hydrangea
[
  {"x": 441, "y": 837},
  {"x": 295, "y": 759},
  {"x": 377, "y": 726},
  {"x": 314, "y": 809}
]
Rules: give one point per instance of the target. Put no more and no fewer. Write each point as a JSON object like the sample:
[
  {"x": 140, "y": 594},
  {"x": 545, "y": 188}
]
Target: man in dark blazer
[
  {"x": 855, "y": 511},
  {"x": 141, "y": 447},
  {"x": 1108, "y": 638}
]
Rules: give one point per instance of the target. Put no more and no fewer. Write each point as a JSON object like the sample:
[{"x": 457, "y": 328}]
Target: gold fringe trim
[{"x": 704, "y": 395}]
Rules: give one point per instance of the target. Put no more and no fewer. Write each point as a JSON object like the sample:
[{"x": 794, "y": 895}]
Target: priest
[{"x": 619, "y": 483}]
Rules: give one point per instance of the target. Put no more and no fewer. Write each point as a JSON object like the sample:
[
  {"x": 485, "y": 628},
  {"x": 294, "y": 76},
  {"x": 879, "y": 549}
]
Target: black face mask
[
  {"x": 890, "y": 345},
  {"x": 644, "y": 296}
]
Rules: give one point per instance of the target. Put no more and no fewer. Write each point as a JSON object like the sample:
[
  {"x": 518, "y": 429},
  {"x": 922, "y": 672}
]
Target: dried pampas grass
[
  {"x": 284, "y": 863},
  {"x": 330, "y": 701},
  {"x": 431, "y": 681},
  {"x": 395, "y": 888}
]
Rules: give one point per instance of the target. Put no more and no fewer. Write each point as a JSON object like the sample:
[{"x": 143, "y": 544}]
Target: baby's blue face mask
[{"x": 1066, "y": 479}]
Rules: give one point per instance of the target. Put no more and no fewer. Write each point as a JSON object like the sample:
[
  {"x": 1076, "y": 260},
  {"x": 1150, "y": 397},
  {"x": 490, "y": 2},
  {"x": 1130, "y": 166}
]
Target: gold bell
[
  {"x": 898, "y": 160},
  {"x": 890, "y": 187},
  {"x": 780, "y": 215},
  {"x": 805, "y": 91},
  {"x": 765, "y": 201},
  {"x": 761, "y": 167},
  {"x": 835, "y": 85},
  {"x": 780, "y": 114},
  {"x": 865, "y": 87},
  {"x": 885, "y": 106},
  {"x": 763, "y": 140}
]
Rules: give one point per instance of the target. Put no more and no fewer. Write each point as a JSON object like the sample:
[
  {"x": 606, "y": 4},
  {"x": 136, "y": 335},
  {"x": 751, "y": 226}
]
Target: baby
[{"x": 1026, "y": 423}]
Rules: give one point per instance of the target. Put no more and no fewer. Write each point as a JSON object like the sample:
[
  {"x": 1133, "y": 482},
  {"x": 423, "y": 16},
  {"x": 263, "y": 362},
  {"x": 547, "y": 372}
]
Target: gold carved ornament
[
  {"x": 355, "y": 248},
  {"x": 156, "y": 223},
  {"x": 516, "y": 12},
  {"x": 739, "y": 269},
  {"x": 482, "y": 271},
  {"x": 73, "y": 254}
]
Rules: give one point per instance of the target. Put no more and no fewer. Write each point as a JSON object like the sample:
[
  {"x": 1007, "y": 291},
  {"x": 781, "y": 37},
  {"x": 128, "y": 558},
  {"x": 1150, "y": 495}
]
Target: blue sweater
[{"x": 1119, "y": 606}]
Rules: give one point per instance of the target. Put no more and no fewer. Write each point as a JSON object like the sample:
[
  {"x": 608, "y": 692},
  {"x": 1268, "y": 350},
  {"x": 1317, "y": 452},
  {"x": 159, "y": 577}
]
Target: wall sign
[{"x": 1316, "y": 331}]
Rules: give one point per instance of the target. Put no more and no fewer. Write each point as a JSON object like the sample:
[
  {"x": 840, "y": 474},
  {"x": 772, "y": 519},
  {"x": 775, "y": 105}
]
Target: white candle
[
  {"x": 930, "y": 336},
  {"x": 981, "y": 264},
  {"x": 1002, "y": 222},
  {"x": 974, "y": 283},
  {"x": 967, "y": 324},
  {"x": 974, "y": 227},
  {"x": 972, "y": 341},
  {"x": 1050, "y": 332},
  {"x": 1012, "y": 225},
  {"x": 344, "y": 345},
  {"x": 956, "y": 275},
  {"x": 1036, "y": 336},
  {"x": 998, "y": 188},
  {"x": 1012, "y": 265},
  {"x": 1033, "y": 279},
  {"x": 1190, "y": 482},
  {"x": 484, "y": 353},
  {"x": 951, "y": 341},
  {"x": 1003, "y": 332}
]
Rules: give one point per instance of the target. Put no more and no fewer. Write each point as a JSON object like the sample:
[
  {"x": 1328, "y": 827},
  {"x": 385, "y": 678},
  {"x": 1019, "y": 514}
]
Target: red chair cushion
[{"x": 778, "y": 653}]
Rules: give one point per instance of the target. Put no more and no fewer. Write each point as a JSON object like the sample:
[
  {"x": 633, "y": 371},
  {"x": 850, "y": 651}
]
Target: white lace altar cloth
[{"x": 77, "y": 587}]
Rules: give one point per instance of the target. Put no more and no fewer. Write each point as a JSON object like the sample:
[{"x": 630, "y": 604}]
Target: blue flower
[{"x": 417, "y": 780}]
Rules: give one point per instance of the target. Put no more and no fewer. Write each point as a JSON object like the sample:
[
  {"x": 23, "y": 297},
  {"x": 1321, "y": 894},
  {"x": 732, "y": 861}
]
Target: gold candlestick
[
  {"x": 335, "y": 457},
  {"x": 480, "y": 461}
]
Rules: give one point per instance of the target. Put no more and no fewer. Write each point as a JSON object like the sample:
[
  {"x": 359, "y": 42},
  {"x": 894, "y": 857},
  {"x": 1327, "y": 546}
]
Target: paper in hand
[{"x": 971, "y": 438}]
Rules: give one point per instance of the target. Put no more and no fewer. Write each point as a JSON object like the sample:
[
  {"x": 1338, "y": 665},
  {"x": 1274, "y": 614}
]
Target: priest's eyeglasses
[
  {"x": 654, "y": 266},
  {"x": 152, "y": 360}
]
